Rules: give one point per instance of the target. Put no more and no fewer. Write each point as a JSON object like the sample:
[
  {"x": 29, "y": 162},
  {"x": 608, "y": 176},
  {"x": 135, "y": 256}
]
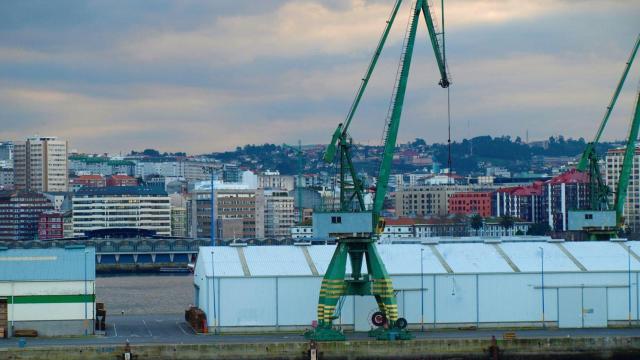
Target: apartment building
[
  {"x": 6, "y": 179},
  {"x": 568, "y": 191},
  {"x": 51, "y": 225},
  {"x": 236, "y": 212},
  {"x": 469, "y": 203},
  {"x": 613, "y": 161},
  {"x": 40, "y": 164},
  {"x": 426, "y": 200},
  {"x": 279, "y": 213},
  {"x": 121, "y": 207},
  {"x": 273, "y": 180},
  {"x": 521, "y": 202},
  {"x": 20, "y": 213},
  {"x": 121, "y": 180},
  {"x": 87, "y": 180}
]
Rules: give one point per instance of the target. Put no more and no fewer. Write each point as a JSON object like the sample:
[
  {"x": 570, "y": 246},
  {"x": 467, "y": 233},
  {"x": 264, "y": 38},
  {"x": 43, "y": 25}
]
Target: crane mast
[
  {"x": 599, "y": 192},
  {"x": 356, "y": 241},
  {"x": 627, "y": 164},
  {"x": 351, "y": 187}
]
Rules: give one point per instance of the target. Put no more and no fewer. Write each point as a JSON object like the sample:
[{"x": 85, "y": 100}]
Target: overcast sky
[{"x": 202, "y": 76}]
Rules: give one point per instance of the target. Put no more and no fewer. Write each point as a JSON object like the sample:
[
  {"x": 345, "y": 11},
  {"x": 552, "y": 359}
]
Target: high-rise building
[
  {"x": 6, "y": 179},
  {"x": 614, "y": 159},
  {"x": 20, "y": 213},
  {"x": 178, "y": 221},
  {"x": 121, "y": 207},
  {"x": 236, "y": 212},
  {"x": 6, "y": 151},
  {"x": 231, "y": 173},
  {"x": 40, "y": 164},
  {"x": 279, "y": 213}
]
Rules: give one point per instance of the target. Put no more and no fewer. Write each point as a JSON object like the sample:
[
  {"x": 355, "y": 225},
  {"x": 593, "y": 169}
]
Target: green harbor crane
[
  {"x": 358, "y": 242},
  {"x": 599, "y": 192}
]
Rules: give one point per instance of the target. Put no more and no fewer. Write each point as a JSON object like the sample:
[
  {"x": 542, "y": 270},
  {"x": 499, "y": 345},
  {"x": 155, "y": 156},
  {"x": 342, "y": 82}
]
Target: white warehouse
[
  {"x": 486, "y": 283},
  {"x": 47, "y": 290}
]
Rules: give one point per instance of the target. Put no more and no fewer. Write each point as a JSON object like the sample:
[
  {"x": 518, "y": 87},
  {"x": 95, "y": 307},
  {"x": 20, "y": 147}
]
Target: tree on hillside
[{"x": 151, "y": 152}]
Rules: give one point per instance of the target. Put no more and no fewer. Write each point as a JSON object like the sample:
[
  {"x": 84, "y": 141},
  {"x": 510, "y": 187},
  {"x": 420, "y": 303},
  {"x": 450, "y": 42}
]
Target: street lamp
[
  {"x": 422, "y": 289},
  {"x": 212, "y": 228},
  {"x": 629, "y": 264},
  {"x": 85, "y": 293},
  {"x": 213, "y": 291},
  {"x": 542, "y": 281}
]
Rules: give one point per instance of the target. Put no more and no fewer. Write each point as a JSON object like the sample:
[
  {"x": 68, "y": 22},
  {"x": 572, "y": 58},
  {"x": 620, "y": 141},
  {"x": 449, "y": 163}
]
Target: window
[
  {"x": 588, "y": 216},
  {"x": 336, "y": 219}
]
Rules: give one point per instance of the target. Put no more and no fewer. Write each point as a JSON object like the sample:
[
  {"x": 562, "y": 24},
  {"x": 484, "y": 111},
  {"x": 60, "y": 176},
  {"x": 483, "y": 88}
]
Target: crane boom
[
  {"x": 441, "y": 58},
  {"x": 394, "y": 120},
  {"x": 627, "y": 163},
  {"x": 591, "y": 147},
  {"x": 342, "y": 128}
]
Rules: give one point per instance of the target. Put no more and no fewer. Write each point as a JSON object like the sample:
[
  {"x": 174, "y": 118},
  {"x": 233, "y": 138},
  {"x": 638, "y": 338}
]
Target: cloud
[{"x": 202, "y": 76}]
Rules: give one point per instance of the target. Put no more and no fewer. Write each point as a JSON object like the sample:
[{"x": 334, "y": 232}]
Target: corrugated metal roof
[
  {"x": 406, "y": 259},
  {"x": 47, "y": 264},
  {"x": 527, "y": 257},
  {"x": 460, "y": 257},
  {"x": 473, "y": 258},
  {"x": 276, "y": 260},
  {"x": 226, "y": 259},
  {"x": 603, "y": 256}
]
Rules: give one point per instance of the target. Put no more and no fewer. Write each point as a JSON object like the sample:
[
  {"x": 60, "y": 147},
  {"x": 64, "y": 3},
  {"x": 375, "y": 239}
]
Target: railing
[{"x": 134, "y": 245}]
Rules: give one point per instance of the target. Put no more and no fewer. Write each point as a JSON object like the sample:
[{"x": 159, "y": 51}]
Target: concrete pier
[{"x": 613, "y": 347}]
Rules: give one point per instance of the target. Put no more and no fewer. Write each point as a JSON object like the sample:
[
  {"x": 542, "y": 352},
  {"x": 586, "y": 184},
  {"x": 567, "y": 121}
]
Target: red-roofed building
[
  {"x": 520, "y": 202},
  {"x": 88, "y": 180},
  {"x": 399, "y": 228},
  {"x": 572, "y": 176},
  {"x": 469, "y": 203},
  {"x": 568, "y": 191},
  {"x": 547, "y": 202},
  {"x": 121, "y": 180}
]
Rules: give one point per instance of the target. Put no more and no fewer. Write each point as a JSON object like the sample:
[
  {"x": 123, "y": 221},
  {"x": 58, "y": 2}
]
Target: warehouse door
[
  {"x": 570, "y": 308},
  {"x": 4, "y": 329},
  {"x": 594, "y": 308},
  {"x": 582, "y": 307}
]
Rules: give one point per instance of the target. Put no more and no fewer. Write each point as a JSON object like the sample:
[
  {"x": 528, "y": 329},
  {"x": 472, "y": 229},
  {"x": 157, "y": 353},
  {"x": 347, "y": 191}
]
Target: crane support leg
[{"x": 375, "y": 283}]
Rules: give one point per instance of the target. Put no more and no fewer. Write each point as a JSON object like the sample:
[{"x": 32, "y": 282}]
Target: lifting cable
[
  {"x": 444, "y": 61},
  {"x": 449, "y": 134}
]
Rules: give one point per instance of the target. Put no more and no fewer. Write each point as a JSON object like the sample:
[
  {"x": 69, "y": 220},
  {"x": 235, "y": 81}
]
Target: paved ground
[
  {"x": 171, "y": 329},
  {"x": 145, "y": 294},
  {"x": 154, "y": 314}
]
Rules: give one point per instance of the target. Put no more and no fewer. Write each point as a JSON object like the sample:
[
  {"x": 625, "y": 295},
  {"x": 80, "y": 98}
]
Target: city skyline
[{"x": 201, "y": 77}]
